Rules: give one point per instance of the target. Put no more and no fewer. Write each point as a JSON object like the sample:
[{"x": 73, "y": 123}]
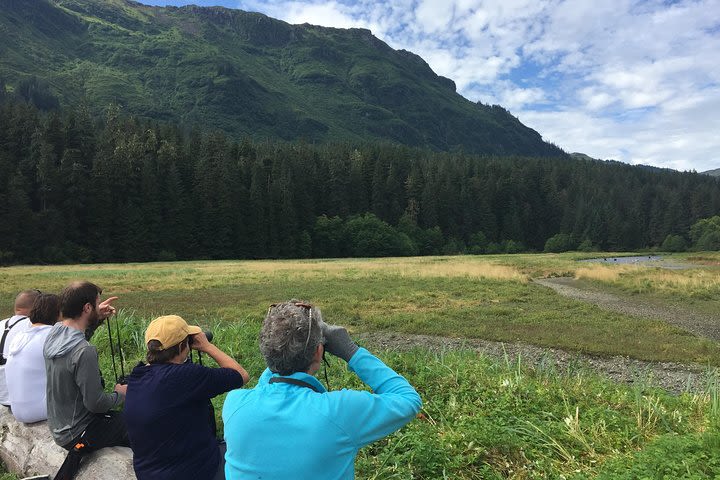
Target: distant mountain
[
  {"x": 581, "y": 156},
  {"x": 244, "y": 73}
]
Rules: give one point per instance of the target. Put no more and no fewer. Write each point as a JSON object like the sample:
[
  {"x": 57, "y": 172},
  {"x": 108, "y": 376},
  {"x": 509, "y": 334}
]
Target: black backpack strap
[
  {"x": 294, "y": 381},
  {"x": 5, "y": 332}
]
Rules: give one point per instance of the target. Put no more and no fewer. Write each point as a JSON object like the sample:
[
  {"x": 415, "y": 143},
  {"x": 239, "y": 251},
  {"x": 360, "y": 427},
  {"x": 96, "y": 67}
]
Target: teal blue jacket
[{"x": 278, "y": 431}]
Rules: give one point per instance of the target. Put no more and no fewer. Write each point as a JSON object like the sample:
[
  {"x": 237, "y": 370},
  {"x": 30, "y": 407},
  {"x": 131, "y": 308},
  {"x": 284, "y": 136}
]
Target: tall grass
[
  {"x": 485, "y": 419},
  {"x": 699, "y": 283},
  {"x": 4, "y": 475},
  {"x": 482, "y": 419},
  {"x": 604, "y": 273},
  {"x": 463, "y": 296}
]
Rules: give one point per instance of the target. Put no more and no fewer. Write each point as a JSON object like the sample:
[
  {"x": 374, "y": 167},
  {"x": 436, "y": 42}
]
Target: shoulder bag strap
[
  {"x": 294, "y": 381},
  {"x": 5, "y": 332}
]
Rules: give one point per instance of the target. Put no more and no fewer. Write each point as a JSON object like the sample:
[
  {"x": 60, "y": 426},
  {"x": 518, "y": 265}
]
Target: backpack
[{"x": 5, "y": 332}]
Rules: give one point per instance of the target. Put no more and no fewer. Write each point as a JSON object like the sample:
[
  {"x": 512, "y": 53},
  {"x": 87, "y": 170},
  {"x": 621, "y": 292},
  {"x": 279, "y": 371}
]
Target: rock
[{"x": 30, "y": 450}]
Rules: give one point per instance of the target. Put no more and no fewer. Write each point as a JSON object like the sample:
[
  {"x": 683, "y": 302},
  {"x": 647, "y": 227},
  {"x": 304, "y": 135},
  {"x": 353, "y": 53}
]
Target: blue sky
[{"x": 635, "y": 81}]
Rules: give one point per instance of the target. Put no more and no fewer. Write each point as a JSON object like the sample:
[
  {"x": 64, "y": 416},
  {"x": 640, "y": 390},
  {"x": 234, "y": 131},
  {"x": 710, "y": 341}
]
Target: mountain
[
  {"x": 244, "y": 73},
  {"x": 581, "y": 156},
  {"x": 714, "y": 173}
]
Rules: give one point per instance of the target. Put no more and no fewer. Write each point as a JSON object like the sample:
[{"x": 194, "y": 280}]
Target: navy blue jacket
[{"x": 168, "y": 419}]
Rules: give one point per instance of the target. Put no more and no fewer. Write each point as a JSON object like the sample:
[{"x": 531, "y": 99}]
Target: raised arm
[
  {"x": 370, "y": 416},
  {"x": 201, "y": 344}
]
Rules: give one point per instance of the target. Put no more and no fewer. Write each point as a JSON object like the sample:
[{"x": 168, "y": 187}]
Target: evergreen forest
[{"x": 80, "y": 188}]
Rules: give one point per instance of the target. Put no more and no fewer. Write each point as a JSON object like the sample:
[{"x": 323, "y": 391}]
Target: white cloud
[
  {"x": 515, "y": 98},
  {"x": 681, "y": 135},
  {"x": 327, "y": 14},
  {"x": 434, "y": 16}
]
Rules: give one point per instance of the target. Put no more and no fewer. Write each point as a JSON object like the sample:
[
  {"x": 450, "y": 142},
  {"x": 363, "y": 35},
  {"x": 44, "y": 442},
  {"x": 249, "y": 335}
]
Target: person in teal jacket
[{"x": 289, "y": 425}]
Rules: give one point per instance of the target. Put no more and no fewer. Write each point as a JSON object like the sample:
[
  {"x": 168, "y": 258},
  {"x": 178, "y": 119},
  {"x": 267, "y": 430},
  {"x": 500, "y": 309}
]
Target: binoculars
[{"x": 207, "y": 333}]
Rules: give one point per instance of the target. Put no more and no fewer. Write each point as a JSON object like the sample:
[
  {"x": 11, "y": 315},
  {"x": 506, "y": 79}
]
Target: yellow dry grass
[
  {"x": 208, "y": 274},
  {"x": 688, "y": 281},
  {"x": 694, "y": 282},
  {"x": 425, "y": 267},
  {"x": 604, "y": 273}
]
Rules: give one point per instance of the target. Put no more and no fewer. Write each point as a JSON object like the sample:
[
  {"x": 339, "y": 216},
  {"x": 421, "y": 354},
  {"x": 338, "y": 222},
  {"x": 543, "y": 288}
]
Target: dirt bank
[
  {"x": 698, "y": 323},
  {"x": 673, "y": 377}
]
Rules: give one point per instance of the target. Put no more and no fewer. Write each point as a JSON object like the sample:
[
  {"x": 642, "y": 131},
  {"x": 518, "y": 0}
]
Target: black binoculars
[{"x": 207, "y": 333}]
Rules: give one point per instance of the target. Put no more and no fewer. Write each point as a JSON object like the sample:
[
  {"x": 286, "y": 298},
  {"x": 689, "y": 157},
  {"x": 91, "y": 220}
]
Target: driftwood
[{"x": 28, "y": 449}]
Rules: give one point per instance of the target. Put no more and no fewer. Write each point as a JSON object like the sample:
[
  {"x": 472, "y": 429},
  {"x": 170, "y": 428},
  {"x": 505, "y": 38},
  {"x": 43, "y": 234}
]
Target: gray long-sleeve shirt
[{"x": 74, "y": 386}]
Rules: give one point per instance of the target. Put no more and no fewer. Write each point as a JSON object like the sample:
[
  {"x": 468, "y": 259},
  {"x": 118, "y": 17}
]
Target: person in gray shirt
[{"x": 79, "y": 410}]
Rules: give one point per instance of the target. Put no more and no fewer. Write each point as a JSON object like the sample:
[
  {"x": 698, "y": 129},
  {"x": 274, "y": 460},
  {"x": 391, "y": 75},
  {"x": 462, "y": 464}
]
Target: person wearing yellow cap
[{"x": 167, "y": 409}]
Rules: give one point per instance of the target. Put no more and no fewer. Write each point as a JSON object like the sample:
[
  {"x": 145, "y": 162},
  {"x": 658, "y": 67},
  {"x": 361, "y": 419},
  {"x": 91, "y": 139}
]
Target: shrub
[
  {"x": 709, "y": 241},
  {"x": 166, "y": 256},
  {"x": 368, "y": 236},
  {"x": 327, "y": 236},
  {"x": 494, "y": 248},
  {"x": 674, "y": 243},
  {"x": 6, "y": 257},
  {"x": 454, "y": 246},
  {"x": 586, "y": 246},
  {"x": 513, "y": 246},
  {"x": 478, "y": 243},
  {"x": 432, "y": 241},
  {"x": 702, "y": 232},
  {"x": 562, "y": 242}
]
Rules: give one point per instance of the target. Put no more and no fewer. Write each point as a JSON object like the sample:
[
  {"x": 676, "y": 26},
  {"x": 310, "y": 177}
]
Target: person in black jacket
[{"x": 168, "y": 412}]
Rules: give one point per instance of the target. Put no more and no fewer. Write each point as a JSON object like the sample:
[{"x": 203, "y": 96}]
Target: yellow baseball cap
[{"x": 169, "y": 330}]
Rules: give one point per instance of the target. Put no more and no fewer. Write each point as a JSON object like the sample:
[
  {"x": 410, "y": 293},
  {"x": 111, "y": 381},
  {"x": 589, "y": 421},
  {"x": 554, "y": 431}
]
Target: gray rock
[{"x": 28, "y": 449}]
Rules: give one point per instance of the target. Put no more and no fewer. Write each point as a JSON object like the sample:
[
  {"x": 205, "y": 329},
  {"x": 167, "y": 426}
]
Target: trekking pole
[
  {"x": 112, "y": 349},
  {"x": 121, "y": 380}
]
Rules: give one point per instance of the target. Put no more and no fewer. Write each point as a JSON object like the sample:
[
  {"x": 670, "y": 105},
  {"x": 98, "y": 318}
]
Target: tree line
[
  {"x": 704, "y": 235},
  {"x": 74, "y": 188}
]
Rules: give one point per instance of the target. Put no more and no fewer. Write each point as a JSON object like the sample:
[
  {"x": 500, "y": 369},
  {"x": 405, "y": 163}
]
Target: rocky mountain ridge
[{"x": 246, "y": 74}]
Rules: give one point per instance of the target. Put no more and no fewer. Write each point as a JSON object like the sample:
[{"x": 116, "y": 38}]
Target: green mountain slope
[
  {"x": 714, "y": 173},
  {"x": 247, "y": 74}
]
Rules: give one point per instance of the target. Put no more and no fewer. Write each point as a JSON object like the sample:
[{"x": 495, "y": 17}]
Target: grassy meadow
[
  {"x": 482, "y": 418},
  {"x": 697, "y": 288}
]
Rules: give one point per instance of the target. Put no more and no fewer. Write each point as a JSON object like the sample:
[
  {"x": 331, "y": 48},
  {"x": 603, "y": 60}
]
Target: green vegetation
[
  {"x": 246, "y": 74},
  {"x": 4, "y": 475},
  {"x": 487, "y": 297},
  {"x": 696, "y": 288},
  {"x": 123, "y": 190},
  {"x": 703, "y": 235},
  {"x": 562, "y": 242},
  {"x": 482, "y": 418}
]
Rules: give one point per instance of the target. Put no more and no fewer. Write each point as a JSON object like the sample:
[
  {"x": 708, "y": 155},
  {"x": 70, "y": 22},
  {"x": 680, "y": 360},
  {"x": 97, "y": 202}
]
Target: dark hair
[
  {"x": 76, "y": 296},
  {"x": 46, "y": 309},
  {"x": 156, "y": 355}
]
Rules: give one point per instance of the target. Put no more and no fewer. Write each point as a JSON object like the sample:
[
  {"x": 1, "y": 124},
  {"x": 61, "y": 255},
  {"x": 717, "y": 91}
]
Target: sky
[{"x": 634, "y": 81}]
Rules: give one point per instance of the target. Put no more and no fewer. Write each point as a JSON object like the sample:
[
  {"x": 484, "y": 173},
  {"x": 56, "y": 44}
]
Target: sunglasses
[{"x": 309, "y": 308}]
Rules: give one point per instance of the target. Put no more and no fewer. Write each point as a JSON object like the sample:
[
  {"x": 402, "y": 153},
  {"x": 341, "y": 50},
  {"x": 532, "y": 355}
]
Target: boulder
[{"x": 28, "y": 449}]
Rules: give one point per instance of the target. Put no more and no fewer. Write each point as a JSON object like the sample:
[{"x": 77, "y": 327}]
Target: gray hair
[{"x": 289, "y": 336}]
